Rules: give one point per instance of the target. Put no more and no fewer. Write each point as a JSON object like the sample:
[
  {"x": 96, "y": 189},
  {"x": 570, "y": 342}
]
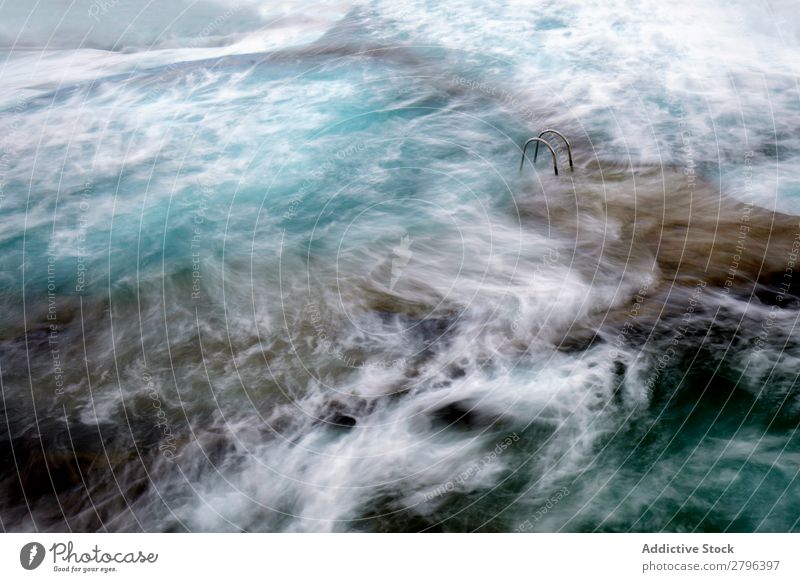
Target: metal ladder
[{"x": 539, "y": 140}]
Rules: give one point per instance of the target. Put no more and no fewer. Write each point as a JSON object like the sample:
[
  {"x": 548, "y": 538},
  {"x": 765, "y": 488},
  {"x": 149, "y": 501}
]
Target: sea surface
[{"x": 275, "y": 267}]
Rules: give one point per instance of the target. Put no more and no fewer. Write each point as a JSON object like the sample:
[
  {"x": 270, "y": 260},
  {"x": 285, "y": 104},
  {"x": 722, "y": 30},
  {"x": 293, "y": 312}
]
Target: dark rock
[
  {"x": 464, "y": 415},
  {"x": 342, "y": 420}
]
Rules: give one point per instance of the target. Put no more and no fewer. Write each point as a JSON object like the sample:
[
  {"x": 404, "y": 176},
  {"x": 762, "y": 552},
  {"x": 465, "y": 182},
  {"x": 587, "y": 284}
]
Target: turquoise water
[{"x": 278, "y": 271}]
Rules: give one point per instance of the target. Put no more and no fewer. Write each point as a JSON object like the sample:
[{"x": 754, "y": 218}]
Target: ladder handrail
[
  {"x": 561, "y": 135},
  {"x": 537, "y": 140}
]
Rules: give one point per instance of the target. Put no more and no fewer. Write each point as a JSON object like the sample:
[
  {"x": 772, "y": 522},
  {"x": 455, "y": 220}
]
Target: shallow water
[{"x": 278, "y": 270}]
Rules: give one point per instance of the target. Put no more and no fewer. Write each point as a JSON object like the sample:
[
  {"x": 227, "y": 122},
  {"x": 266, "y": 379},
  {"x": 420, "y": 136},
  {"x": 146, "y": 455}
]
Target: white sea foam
[{"x": 321, "y": 261}]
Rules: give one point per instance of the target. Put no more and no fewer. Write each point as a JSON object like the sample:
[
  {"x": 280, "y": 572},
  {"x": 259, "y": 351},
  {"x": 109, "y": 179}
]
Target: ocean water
[{"x": 277, "y": 269}]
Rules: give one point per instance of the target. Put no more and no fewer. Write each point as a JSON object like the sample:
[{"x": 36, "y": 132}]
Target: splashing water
[{"x": 277, "y": 269}]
